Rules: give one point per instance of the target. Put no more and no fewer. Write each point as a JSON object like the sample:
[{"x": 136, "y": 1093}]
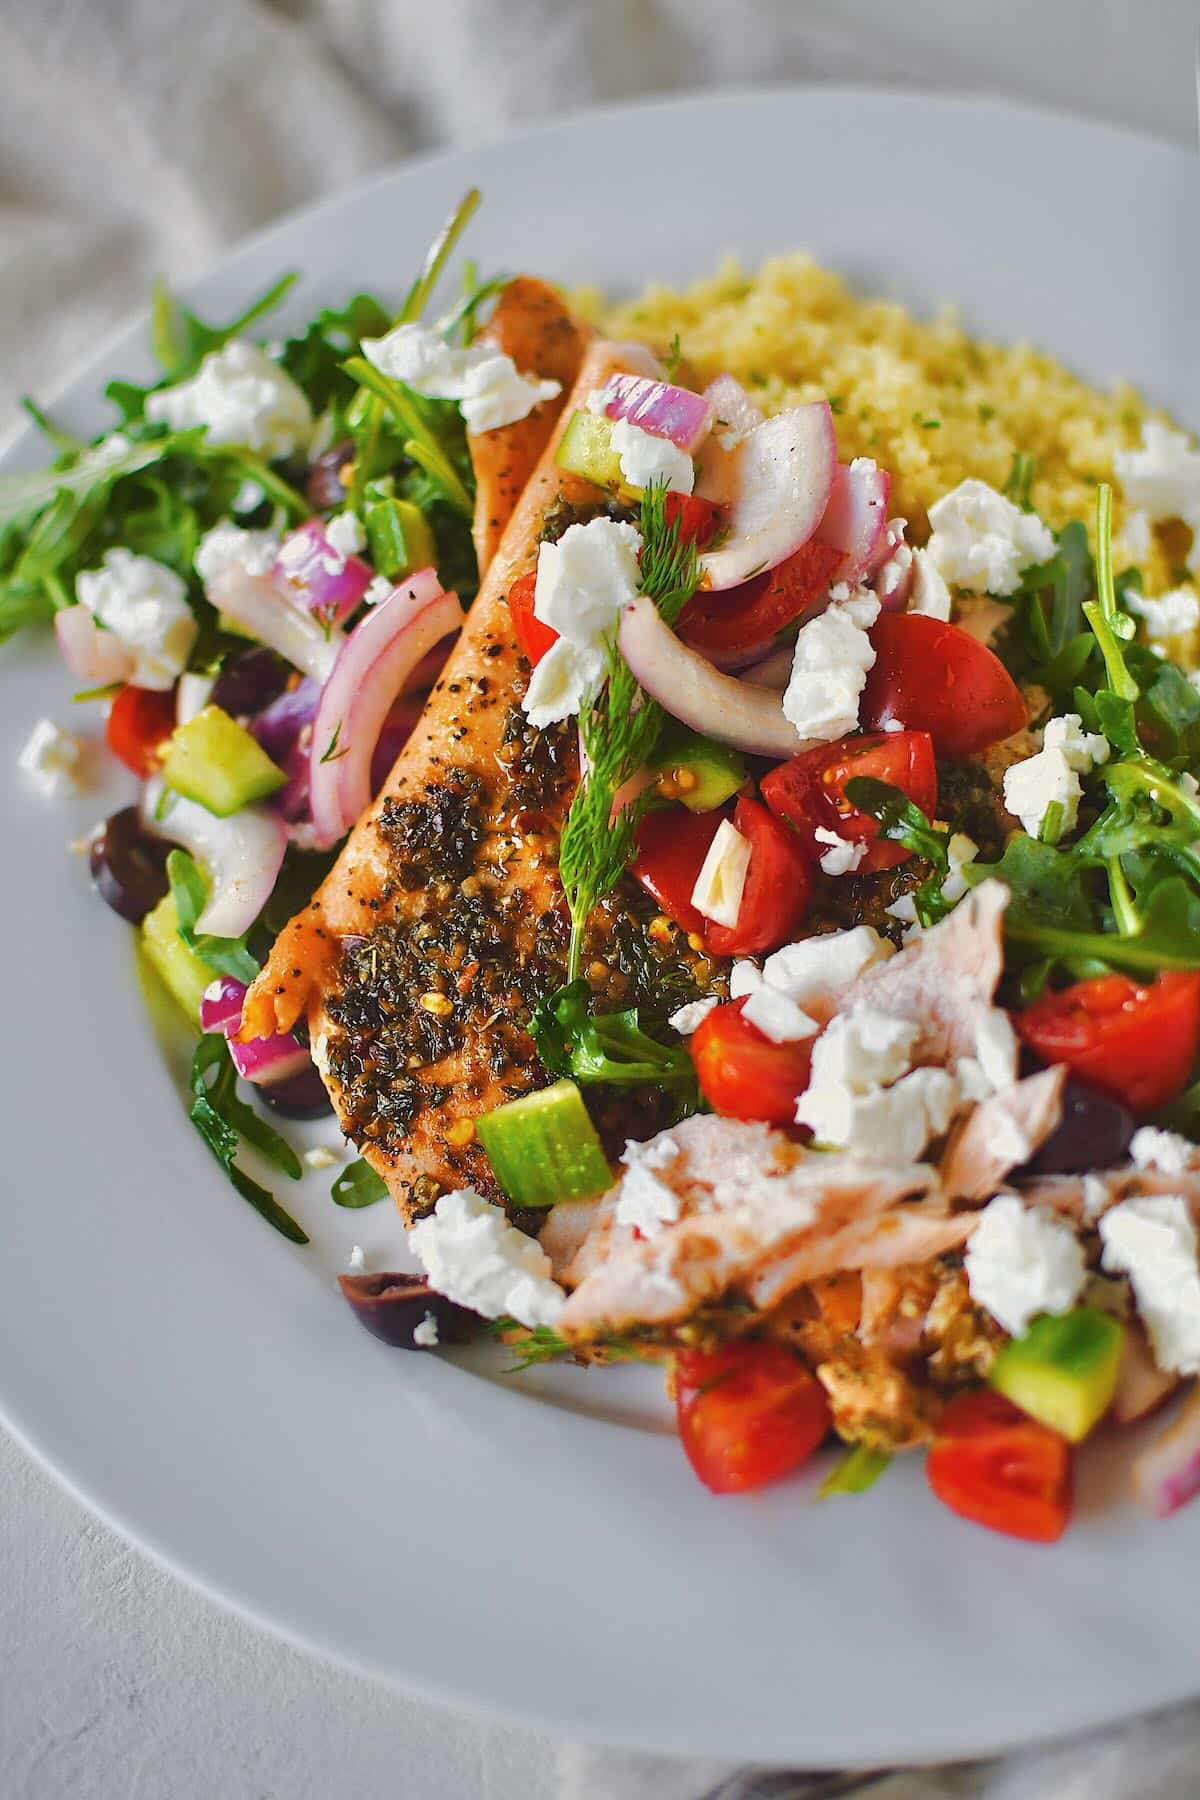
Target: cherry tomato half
[
  {"x": 810, "y": 790},
  {"x": 533, "y": 637},
  {"x": 140, "y": 720},
  {"x": 775, "y": 897},
  {"x": 747, "y": 616},
  {"x": 748, "y": 1414},
  {"x": 698, "y": 519},
  {"x": 937, "y": 678},
  {"x": 1135, "y": 1042},
  {"x": 742, "y": 1074},
  {"x": 671, "y": 848},
  {"x": 992, "y": 1464}
]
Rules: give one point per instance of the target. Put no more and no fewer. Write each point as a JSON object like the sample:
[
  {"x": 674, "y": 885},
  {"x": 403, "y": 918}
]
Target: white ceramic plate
[{"x": 538, "y": 1547}]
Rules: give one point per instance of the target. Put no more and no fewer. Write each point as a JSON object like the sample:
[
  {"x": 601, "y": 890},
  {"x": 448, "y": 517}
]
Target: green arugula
[
  {"x": 357, "y": 1185},
  {"x": 223, "y": 1121},
  {"x": 1019, "y": 486},
  {"x": 901, "y": 821},
  {"x": 609, "y": 1048},
  {"x": 226, "y": 956},
  {"x": 314, "y": 358}
]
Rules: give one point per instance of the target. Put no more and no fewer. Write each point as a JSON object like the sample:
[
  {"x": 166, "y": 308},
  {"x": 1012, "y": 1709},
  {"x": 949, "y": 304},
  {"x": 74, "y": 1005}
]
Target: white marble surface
[{"x": 115, "y": 1679}]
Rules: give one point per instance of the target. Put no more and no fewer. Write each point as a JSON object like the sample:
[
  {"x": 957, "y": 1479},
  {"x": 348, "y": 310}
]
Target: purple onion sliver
[
  {"x": 329, "y": 583},
  {"x": 221, "y": 1005},
  {"x": 277, "y": 725}
]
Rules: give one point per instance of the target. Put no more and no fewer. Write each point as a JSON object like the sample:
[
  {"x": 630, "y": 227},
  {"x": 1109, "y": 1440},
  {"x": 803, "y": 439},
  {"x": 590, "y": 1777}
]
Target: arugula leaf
[
  {"x": 1164, "y": 934},
  {"x": 608, "y": 1048},
  {"x": 227, "y": 956},
  {"x": 1111, "y": 627},
  {"x": 902, "y": 822},
  {"x": 314, "y": 357},
  {"x": 432, "y": 431},
  {"x": 181, "y": 340},
  {"x": 1020, "y": 480},
  {"x": 357, "y": 1186},
  {"x": 222, "y": 1120}
]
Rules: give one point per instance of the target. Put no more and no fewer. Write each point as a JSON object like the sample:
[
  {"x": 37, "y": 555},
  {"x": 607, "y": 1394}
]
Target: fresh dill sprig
[
  {"x": 619, "y": 728},
  {"x": 673, "y": 358},
  {"x": 540, "y": 1344}
]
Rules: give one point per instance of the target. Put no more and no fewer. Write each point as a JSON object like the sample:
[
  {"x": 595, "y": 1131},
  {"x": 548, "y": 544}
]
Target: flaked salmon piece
[
  {"x": 576, "y": 1234},
  {"x": 533, "y": 325},
  {"x": 418, "y": 957},
  {"x": 940, "y": 981},
  {"x": 1083, "y": 1198},
  {"x": 896, "y": 1235},
  {"x": 1001, "y": 1133}
]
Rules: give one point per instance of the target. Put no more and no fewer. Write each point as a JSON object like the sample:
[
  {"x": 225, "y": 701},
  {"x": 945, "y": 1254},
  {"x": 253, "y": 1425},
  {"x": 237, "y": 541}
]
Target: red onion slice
[
  {"x": 774, "y": 486},
  {"x": 856, "y": 517},
  {"x": 94, "y": 656},
  {"x": 659, "y": 408},
  {"x": 240, "y": 855},
  {"x": 328, "y": 583},
  {"x": 254, "y": 603},
  {"x": 775, "y": 669},
  {"x": 373, "y": 665},
  {"x": 691, "y": 690},
  {"x": 1167, "y": 1476},
  {"x": 733, "y": 409},
  {"x": 263, "y": 1061}
]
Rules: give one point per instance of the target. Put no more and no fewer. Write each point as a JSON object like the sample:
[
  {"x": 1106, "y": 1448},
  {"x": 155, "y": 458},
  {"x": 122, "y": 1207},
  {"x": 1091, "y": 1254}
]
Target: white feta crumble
[
  {"x": 686, "y": 1019},
  {"x": 320, "y": 1157},
  {"x": 645, "y": 458},
  {"x": 1096, "y": 1197},
  {"x": 722, "y": 878},
  {"x": 426, "y": 1333},
  {"x": 644, "y": 1202},
  {"x": 1084, "y": 750},
  {"x": 143, "y": 603},
  {"x": 887, "y": 1124},
  {"x": 1137, "y": 539},
  {"x": 1023, "y": 1261},
  {"x": 981, "y": 541},
  {"x": 1166, "y": 615},
  {"x": 863, "y": 1049},
  {"x": 817, "y": 971},
  {"x": 1167, "y": 1151},
  {"x": 358, "y": 1259},
  {"x": 192, "y": 695},
  {"x": 829, "y": 669},
  {"x": 242, "y": 397},
  {"x": 486, "y": 384},
  {"x": 893, "y": 572},
  {"x": 993, "y": 1068},
  {"x": 1163, "y": 479},
  {"x": 1153, "y": 1241},
  {"x": 1033, "y": 786},
  {"x": 961, "y": 852},
  {"x": 584, "y": 583},
  {"x": 843, "y": 856},
  {"x": 380, "y": 589},
  {"x": 929, "y": 593},
  {"x": 50, "y": 759},
  {"x": 472, "y": 1254},
  {"x": 345, "y": 534},
  {"x": 777, "y": 1017},
  {"x": 229, "y": 546},
  {"x": 249, "y": 497}
]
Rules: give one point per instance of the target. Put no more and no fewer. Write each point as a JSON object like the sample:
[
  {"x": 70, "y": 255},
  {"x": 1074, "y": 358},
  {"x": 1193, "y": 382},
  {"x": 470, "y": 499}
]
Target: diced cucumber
[
  {"x": 585, "y": 448},
  {"x": 544, "y": 1148},
  {"x": 1063, "y": 1372},
  {"x": 399, "y": 538},
  {"x": 181, "y": 970},
  {"x": 215, "y": 761},
  {"x": 694, "y": 769}
]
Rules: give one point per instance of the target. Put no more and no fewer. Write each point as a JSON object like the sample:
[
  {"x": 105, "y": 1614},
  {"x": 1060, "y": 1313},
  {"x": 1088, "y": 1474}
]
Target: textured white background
[{"x": 139, "y": 136}]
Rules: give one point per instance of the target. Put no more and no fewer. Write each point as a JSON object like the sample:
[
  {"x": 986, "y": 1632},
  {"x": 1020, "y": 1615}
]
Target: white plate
[{"x": 540, "y": 1549}]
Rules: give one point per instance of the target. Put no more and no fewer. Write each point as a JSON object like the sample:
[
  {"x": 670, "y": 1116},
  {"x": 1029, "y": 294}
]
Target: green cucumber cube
[
  {"x": 543, "y": 1148},
  {"x": 1063, "y": 1372},
  {"x": 399, "y": 538},
  {"x": 585, "y": 448},
  {"x": 182, "y": 972},
  {"x": 215, "y": 761},
  {"x": 697, "y": 771}
]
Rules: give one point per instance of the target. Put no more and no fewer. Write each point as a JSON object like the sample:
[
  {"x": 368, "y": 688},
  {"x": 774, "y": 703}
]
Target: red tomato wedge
[
  {"x": 533, "y": 637},
  {"x": 810, "y": 790},
  {"x": 775, "y": 897},
  {"x": 1134, "y": 1041},
  {"x": 937, "y": 678},
  {"x": 671, "y": 848},
  {"x": 992, "y": 1464},
  {"x": 140, "y": 721},
  {"x": 742, "y": 1074},
  {"x": 748, "y": 1414},
  {"x": 698, "y": 519},
  {"x": 743, "y": 617}
]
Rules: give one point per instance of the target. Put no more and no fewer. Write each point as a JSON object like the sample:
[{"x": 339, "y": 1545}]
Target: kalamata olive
[
  {"x": 250, "y": 681},
  {"x": 324, "y": 488},
  {"x": 128, "y": 866},
  {"x": 1094, "y": 1133},
  {"x": 395, "y": 1307},
  {"x": 300, "y": 1096}
]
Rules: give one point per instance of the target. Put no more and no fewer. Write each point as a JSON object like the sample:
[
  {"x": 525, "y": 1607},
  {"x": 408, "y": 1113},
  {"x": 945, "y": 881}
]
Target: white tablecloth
[{"x": 138, "y": 137}]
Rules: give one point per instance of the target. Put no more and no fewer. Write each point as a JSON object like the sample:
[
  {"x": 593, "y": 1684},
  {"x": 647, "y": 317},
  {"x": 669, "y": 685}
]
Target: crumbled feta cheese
[
  {"x": 320, "y": 1157},
  {"x": 686, "y": 1019},
  {"x": 358, "y": 1259},
  {"x": 887, "y": 1124},
  {"x": 777, "y": 1017},
  {"x": 242, "y": 397},
  {"x": 143, "y": 603},
  {"x": 996, "y": 1049},
  {"x": 249, "y": 497},
  {"x": 486, "y": 384},
  {"x": 722, "y": 878},
  {"x": 344, "y": 533},
  {"x": 472, "y": 1254},
  {"x": 843, "y": 856},
  {"x": 426, "y": 1333},
  {"x": 1033, "y": 786},
  {"x": 50, "y": 759},
  {"x": 645, "y": 458},
  {"x": 1096, "y": 1196},
  {"x": 229, "y": 546},
  {"x": 863, "y": 1049},
  {"x": 817, "y": 971},
  {"x": 380, "y": 589},
  {"x": 1150, "y": 1148},
  {"x": 904, "y": 909},
  {"x": 1023, "y": 1261},
  {"x": 961, "y": 852},
  {"x": 1137, "y": 539},
  {"x": 1163, "y": 479},
  {"x": 111, "y": 449},
  {"x": 983, "y": 542},
  {"x": 584, "y": 583},
  {"x": 644, "y": 1202},
  {"x": 1153, "y": 1241},
  {"x": 192, "y": 696},
  {"x": 894, "y": 571},
  {"x": 829, "y": 669},
  {"x": 929, "y": 594},
  {"x": 1166, "y": 615},
  {"x": 1084, "y": 750}
]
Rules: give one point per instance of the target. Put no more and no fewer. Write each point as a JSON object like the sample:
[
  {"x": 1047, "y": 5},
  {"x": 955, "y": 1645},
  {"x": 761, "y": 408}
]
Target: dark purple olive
[
  {"x": 300, "y": 1096},
  {"x": 1094, "y": 1133},
  {"x": 280, "y": 722},
  {"x": 128, "y": 866},
  {"x": 250, "y": 681},
  {"x": 395, "y": 1307},
  {"x": 324, "y": 488}
]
